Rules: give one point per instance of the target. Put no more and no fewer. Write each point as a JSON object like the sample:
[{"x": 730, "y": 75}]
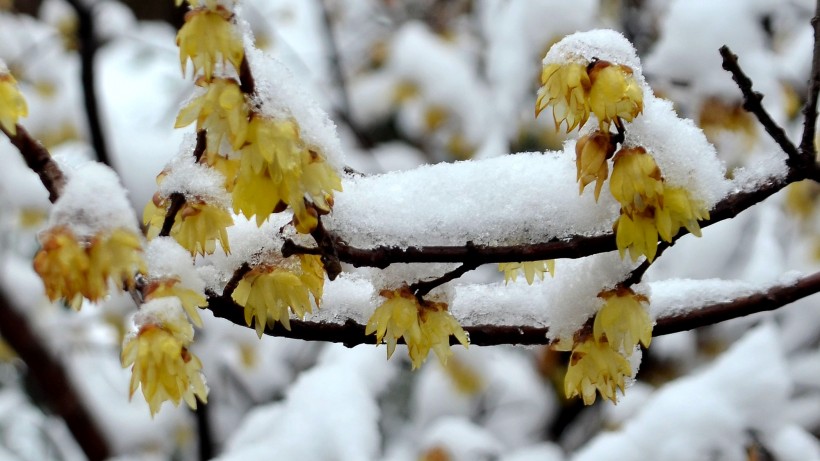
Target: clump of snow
[
  {"x": 166, "y": 310},
  {"x": 686, "y": 159},
  {"x": 600, "y": 44},
  {"x": 197, "y": 181},
  {"x": 167, "y": 259},
  {"x": 93, "y": 201}
]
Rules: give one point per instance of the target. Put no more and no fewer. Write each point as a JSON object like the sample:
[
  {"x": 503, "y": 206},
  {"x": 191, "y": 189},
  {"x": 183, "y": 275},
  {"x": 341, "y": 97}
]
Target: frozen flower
[
  {"x": 278, "y": 170},
  {"x": 12, "y": 104},
  {"x": 623, "y": 321},
  {"x": 163, "y": 367},
  {"x": 269, "y": 293},
  {"x": 207, "y": 38},
  {"x": 595, "y": 366},
  {"x": 531, "y": 269},
  {"x": 190, "y": 300},
  {"x": 565, "y": 87},
  {"x": 221, "y": 109},
  {"x": 72, "y": 269},
  {"x": 614, "y": 94},
  {"x": 591, "y": 154},
  {"x": 197, "y": 225},
  {"x": 423, "y": 326}
]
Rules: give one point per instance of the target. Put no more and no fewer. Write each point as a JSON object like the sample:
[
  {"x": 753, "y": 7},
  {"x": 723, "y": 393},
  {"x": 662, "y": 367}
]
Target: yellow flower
[
  {"x": 638, "y": 234},
  {"x": 636, "y": 180},
  {"x": 531, "y": 269},
  {"x": 591, "y": 154},
  {"x": 197, "y": 226},
  {"x": 277, "y": 169},
  {"x": 623, "y": 321},
  {"x": 396, "y": 318},
  {"x": 614, "y": 94},
  {"x": 269, "y": 293},
  {"x": 565, "y": 87},
  {"x": 163, "y": 367},
  {"x": 423, "y": 326},
  {"x": 71, "y": 269},
  {"x": 208, "y": 37},
  {"x": 12, "y": 104},
  {"x": 229, "y": 167},
  {"x": 594, "y": 366},
  {"x": 170, "y": 286},
  {"x": 679, "y": 210},
  {"x": 221, "y": 110}
]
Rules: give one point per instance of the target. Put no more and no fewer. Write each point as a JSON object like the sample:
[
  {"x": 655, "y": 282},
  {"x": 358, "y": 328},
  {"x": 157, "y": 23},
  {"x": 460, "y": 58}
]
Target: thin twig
[
  {"x": 53, "y": 380},
  {"x": 422, "y": 288},
  {"x": 88, "y": 51},
  {"x": 38, "y": 160},
  {"x": 235, "y": 279},
  {"x": 637, "y": 274},
  {"x": 752, "y": 103},
  {"x": 205, "y": 440},
  {"x": 177, "y": 202},
  {"x": 810, "y": 110},
  {"x": 351, "y": 333}
]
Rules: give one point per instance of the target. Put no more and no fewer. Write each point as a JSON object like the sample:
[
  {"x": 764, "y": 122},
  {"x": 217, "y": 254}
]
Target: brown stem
[
  {"x": 48, "y": 374},
  {"x": 810, "y": 110},
  {"x": 351, "y": 333},
  {"x": 177, "y": 202},
  {"x": 422, "y": 288},
  {"x": 38, "y": 160}
]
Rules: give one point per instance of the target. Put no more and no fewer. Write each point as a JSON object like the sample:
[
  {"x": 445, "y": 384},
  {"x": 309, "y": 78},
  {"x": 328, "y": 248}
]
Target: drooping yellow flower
[
  {"x": 531, "y": 269},
  {"x": 679, "y": 210},
  {"x": 197, "y": 225},
  {"x": 591, "y": 154},
  {"x": 12, "y": 104},
  {"x": 565, "y": 87},
  {"x": 638, "y": 234},
  {"x": 270, "y": 293},
  {"x": 72, "y": 269},
  {"x": 221, "y": 110},
  {"x": 595, "y": 366},
  {"x": 623, "y": 321},
  {"x": 636, "y": 180},
  {"x": 170, "y": 286},
  {"x": 229, "y": 167},
  {"x": 423, "y": 326},
  {"x": 277, "y": 169},
  {"x": 207, "y": 38},
  {"x": 163, "y": 367},
  {"x": 614, "y": 94}
]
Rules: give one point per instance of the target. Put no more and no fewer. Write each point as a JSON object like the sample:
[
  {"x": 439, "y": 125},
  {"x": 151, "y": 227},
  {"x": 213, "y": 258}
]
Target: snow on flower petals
[
  {"x": 161, "y": 364},
  {"x": 208, "y": 37},
  {"x": 12, "y": 104},
  {"x": 423, "y": 326}
]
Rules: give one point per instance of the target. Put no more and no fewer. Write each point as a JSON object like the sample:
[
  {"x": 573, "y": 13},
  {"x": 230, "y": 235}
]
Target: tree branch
[
  {"x": 38, "y": 160},
  {"x": 88, "y": 50},
  {"x": 53, "y": 380},
  {"x": 352, "y": 334},
  {"x": 810, "y": 110},
  {"x": 422, "y": 288}
]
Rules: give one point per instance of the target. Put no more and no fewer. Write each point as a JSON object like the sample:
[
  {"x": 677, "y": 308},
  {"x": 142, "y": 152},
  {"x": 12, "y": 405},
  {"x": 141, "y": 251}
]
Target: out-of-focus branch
[
  {"x": 88, "y": 50},
  {"x": 351, "y": 333},
  {"x": 38, "y": 160},
  {"x": 50, "y": 376},
  {"x": 810, "y": 110}
]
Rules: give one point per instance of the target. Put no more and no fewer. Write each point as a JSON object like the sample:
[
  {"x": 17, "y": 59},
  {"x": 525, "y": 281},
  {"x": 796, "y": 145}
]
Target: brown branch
[
  {"x": 246, "y": 81},
  {"x": 752, "y": 103},
  {"x": 352, "y": 334},
  {"x": 810, "y": 110},
  {"x": 422, "y": 288},
  {"x": 53, "y": 380},
  {"x": 39, "y": 160},
  {"x": 177, "y": 202}
]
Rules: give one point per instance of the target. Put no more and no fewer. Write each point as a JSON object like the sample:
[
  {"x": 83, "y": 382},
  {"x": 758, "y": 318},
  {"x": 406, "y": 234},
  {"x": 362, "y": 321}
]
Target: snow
[
  {"x": 183, "y": 174},
  {"x": 167, "y": 259},
  {"x": 600, "y": 44}
]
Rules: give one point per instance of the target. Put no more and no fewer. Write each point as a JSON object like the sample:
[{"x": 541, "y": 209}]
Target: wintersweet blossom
[
  {"x": 565, "y": 87},
  {"x": 614, "y": 94},
  {"x": 595, "y": 366},
  {"x": 423, "y": 326},
  {"x": 197, "y": 227},
  {"x": 269, "y": 293},
  {"x": 12, "y": 104},
  {"x": 623, "y": 321},
  {"x": 190, "y": 300},
  {"x": 531, "y": 269},
  {"x": 636, "y": 180},
  {"x": 207, "y": 38},
  {"x": 637, "y": 233},
  {"x": 221, "y": 110},
  {"x": 591, "y": 154},
  {"x": 163, "y": 367},
  {"x": 73, "y": 269}
]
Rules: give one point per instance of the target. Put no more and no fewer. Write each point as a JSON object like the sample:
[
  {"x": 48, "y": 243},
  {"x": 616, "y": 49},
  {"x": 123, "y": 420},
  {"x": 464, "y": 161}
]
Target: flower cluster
[
  {"x": 270, "y": 292},
  {"x": 73, "y": 268},
  {"x": 208, "y": 38},
  {"x": 531, "y": 269},
  {"x": 198, "y": 225},
  {"x": 424, "y": 325},
  {"x": 158, "y": 353},
  {"x": 599, "y": 362},
  {"x": 12, "y": 104}
]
